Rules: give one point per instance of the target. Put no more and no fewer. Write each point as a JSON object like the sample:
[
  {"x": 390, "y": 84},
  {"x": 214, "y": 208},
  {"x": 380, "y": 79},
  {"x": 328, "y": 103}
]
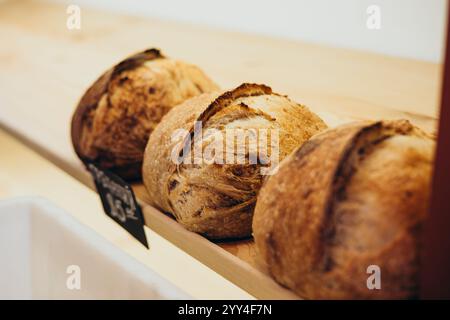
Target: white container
[{"x": 45, "y": 253}]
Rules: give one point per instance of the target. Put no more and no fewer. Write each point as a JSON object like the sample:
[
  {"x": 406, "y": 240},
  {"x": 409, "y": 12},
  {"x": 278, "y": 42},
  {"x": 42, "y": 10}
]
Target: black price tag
[{"x": 119, "y": 201}]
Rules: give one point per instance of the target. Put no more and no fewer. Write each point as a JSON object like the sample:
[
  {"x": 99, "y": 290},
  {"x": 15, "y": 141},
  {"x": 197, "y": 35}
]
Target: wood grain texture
[{"x": 46, "y": 68}]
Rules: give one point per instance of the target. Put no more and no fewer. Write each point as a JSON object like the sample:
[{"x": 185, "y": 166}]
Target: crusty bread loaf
[
  {"x": 351, "y": 197},
  {"x": 118, "y": 112},
  {"x": 217, "y": 200}
]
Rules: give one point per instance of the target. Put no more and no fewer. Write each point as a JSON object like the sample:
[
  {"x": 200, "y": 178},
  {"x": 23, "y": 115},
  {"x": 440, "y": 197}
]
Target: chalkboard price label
[{"x": 119, "y": 201}]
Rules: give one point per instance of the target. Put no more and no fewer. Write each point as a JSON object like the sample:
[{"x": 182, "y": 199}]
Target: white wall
[{"x": 409, "y": 28}]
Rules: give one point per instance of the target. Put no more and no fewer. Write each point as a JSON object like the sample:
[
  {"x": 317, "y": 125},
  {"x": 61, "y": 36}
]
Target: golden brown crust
[
  {"x": 350, "y": 197},
  {"x": 117, "y": 113},
  {"x": 217, "y": 200}
]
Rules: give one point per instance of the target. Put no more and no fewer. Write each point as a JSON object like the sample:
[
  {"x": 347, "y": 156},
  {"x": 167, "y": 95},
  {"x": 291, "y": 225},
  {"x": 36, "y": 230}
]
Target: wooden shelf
[{"x": 46, "y": 68}]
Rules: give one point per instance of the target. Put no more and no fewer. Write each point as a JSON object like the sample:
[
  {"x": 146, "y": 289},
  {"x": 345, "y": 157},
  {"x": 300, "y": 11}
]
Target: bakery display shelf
[
  {"x": 235, "y": 260},
  {"x": 46, "y": 69}
]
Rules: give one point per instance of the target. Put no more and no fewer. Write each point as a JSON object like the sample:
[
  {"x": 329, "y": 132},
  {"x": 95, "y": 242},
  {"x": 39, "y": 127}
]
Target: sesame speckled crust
[
  {"x": 116, "y": 115},
  {"x": 350, "y": 197}
]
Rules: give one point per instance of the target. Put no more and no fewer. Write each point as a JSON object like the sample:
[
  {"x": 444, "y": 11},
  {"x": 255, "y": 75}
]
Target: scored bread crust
[
  {"x": 115, "y": 116},
  {"x": 217, "y": 200},
  {"x": 350, "y": 197}
]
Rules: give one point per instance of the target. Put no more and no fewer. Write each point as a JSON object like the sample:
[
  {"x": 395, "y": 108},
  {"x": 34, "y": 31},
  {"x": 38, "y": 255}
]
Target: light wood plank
[{"x": 46, "y": 68}]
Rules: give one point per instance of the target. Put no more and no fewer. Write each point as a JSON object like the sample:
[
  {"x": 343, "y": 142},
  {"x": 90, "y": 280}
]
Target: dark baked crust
[
  {"x": 117, "y": 113},
  {"x": 310, "y": 216},
  {"x": 218, "y": 200},
  {"x": 89, "y": 102}
]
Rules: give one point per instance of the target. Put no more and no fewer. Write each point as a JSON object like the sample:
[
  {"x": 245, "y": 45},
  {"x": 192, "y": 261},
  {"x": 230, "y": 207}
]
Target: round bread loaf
[
  {"x": 216, "y": 198},
  {"x": 349, "y": 201},
  {"x": 116, "y": 115}
]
